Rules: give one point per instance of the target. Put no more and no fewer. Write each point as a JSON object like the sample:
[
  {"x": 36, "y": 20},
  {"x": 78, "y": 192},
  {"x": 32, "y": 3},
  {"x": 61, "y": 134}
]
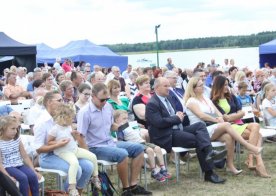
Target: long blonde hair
[{"x": 190, "y": 88}]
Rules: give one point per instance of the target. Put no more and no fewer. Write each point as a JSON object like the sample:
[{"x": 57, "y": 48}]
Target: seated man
[
  {"x": 166, "y": 130},
  {"x": 47, "y": 159},
  {"x": 14, "y": 92},
  {"x": 95, "y": 120}
]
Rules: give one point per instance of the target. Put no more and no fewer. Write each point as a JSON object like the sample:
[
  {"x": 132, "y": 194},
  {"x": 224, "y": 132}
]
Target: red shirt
[{"x": 66, "y": 67}]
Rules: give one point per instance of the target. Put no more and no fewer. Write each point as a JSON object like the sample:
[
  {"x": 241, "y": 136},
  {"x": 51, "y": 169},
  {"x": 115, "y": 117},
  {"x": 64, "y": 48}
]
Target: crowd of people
[{"x": 84, "y": 113}]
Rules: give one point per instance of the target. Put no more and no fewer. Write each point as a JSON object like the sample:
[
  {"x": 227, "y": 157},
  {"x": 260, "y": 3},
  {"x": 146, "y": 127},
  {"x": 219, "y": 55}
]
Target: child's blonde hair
[
  {"x": 267, "y": 87},
  {"x": 118, "y": 113},
  {"x": 7, "y": 121},
  {"x": 64, "y": 114}
]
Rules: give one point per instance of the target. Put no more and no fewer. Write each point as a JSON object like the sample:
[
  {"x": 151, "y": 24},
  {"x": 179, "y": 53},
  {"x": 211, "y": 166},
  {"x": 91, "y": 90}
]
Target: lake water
[{"x": 189, "y": 59}]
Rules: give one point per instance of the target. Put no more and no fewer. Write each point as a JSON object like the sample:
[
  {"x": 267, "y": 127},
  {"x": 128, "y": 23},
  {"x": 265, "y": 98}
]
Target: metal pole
[{"x": 157, "y": 52}]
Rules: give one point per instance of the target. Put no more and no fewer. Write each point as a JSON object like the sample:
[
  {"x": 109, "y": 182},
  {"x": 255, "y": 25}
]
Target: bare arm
[
  {"x": 140, "y": 111},
  {"x": 271, "y": 111}
]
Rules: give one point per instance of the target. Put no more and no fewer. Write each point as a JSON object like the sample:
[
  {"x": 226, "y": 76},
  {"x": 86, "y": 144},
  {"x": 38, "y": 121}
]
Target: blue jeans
[
  {"x": 51, "y": 161},
  {"x": 26, "y": 178},
  {"x": 118, "y": 153}
]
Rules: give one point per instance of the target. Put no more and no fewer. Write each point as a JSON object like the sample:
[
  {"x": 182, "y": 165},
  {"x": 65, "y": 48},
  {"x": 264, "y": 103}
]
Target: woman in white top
[{"x": 200, "y": 108}]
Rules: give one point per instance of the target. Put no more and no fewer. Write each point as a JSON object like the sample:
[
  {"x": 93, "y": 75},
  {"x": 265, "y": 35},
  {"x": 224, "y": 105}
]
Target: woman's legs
[
  {"x": 227, "y": 128},
  {"x": 230, "y": 146}
]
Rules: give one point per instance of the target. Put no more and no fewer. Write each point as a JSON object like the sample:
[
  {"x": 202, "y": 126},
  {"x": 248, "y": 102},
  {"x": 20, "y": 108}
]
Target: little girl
[
  {"x": 70, "y": 152},
  {"x": 13, "y": 156},
  {"x": 269, "y": 105}
]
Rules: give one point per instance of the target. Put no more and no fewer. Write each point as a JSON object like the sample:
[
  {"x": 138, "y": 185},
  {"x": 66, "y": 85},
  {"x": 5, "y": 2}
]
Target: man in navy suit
[{"x": 166, "y": 130}]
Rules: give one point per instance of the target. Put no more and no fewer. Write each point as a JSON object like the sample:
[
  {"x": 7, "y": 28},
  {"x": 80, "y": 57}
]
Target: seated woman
[
  {"x": 141, "y": 99},
  {"x": 228, "y": 105},
  {"x": 200, "y": 108},
  {"x": 117, "y": 102},
  {"x": 67, "y": 89},
  {"x": 84, "y": 96},
  {"x": 269, "y": 105}
]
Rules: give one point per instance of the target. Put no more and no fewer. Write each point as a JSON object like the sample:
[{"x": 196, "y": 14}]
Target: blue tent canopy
[
  {"x": 267, "y": 53},
  {"x": 82, "y": 50}
]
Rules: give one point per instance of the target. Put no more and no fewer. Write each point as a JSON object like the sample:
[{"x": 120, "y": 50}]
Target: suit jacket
[
  {"x": 160, "y": 123},
  {"x": 178, "y": 105}
]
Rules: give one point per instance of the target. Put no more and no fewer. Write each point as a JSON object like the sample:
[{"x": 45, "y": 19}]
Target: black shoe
[
  {"x": 214, "y": 178},
  {"x": 138, "y": 190},
  {"x": 127, "y": 193},
  {"x": 215, "y": 155}
]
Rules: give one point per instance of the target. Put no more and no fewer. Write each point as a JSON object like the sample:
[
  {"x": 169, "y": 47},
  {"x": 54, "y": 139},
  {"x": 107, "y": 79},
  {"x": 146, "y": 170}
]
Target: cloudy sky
[{"x": 56, "y": 22}]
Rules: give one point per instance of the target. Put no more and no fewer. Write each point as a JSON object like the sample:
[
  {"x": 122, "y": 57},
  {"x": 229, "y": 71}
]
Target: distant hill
[{"x": 252, "y": 40}]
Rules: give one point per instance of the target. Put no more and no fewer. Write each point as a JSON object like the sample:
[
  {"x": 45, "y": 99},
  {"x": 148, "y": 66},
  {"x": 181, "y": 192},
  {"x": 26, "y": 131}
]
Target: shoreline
[{"x": 180, "y": 50}]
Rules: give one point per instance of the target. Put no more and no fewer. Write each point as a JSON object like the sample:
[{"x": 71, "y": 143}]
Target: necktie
[
  {"x": 169, "y": 108},
  {"x": 172, "y": 112}
]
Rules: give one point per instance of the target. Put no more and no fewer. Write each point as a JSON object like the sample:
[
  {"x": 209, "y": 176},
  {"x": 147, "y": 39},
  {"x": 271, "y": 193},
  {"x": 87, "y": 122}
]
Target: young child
[
  {"x": 14, "y": 161},
  {"x": 269, "y": 105},
  {"x": 121, "y": 118},
  {"x": 70, "y": 152},
  {"x": 242, "y": 97}
]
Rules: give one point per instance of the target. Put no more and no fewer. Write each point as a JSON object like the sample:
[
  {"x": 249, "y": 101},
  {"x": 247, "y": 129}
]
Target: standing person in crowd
[
  {"x": 269, "y": 104},
  {"x": 117, "y": 101},
  {"x": 140, "y": 101},
  {"x": 94, "y": 123},
  {"x": 232, "y": 112},
  {"x": 126, "y": 73},
  {"x": 13, "y": 157},
  {"x": 209, "y": 78},
  {"x": 66, "y": 66},
  {"x": 57, "y": 65},
  {"x": 12, "y": 91},
  {"x": 70, "y": 152},
  {"x": 166, "y": 130},
  {"x": 47, "y": 159},
  {"x": 169, "y": 64}
]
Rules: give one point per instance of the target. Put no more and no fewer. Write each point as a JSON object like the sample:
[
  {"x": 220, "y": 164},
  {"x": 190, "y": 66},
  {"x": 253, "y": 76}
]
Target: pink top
[{"x": 66, "y": 67}]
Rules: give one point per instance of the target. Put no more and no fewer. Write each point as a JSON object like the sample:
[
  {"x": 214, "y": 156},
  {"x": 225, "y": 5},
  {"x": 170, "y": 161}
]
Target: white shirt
[
  {"x": 41, "y": 129},
  {"x": 61, "y": 132},
  {"x": 22, "y": 82}
]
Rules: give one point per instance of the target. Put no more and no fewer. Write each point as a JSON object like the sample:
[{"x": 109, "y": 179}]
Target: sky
[{"x": 57, "y": 22}]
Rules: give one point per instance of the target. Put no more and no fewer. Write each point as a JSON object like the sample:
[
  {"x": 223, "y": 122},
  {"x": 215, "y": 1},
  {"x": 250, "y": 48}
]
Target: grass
[{"x": 246, "y": 184}]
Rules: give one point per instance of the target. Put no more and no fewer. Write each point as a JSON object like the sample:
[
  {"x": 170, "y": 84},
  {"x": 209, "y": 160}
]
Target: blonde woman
[{"x": 200, "y": 108}]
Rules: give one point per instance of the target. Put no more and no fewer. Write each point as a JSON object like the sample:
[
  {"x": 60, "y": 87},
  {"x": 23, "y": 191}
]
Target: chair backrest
[{"x": 5, "y": 103}]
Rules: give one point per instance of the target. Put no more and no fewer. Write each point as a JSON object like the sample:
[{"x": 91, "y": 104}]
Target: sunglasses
[{"x": 103, "y": 100}]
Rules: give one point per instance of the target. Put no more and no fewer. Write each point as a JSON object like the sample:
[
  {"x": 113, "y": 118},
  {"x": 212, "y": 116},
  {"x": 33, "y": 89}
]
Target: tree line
[{"x": 252, "y": 40}]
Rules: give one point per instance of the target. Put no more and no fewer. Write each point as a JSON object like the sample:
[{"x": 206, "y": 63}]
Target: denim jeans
[
  {"x": 26, "y": 178},
  {"x": 118, "y": 153},
  {"x": 51, "y": 161}
]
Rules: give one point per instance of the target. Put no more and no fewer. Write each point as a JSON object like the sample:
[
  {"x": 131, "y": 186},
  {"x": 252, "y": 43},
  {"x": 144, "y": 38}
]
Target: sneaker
[
  {"x": 158, "y": 176},
  {"x": 97, "y": 183},
  {"x": 73, "y": 192},
  {"x": 126, "y": 193},
  {"x": 138, "y": 190},
  {"x": 165, "y": 173}
]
